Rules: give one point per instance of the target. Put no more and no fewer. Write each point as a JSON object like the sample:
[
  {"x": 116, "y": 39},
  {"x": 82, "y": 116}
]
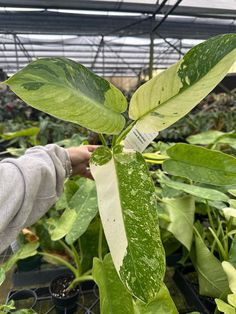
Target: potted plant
[{"x": 126, "y": 194}]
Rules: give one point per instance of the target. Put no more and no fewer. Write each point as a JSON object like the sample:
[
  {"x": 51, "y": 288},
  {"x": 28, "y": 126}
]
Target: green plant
[
  {"x": 126, "y": 194},
  {"x": 230, "y": 307}
]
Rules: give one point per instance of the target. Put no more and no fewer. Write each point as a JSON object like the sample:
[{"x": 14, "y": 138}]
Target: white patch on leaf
[{"x": 110, "y": 210}]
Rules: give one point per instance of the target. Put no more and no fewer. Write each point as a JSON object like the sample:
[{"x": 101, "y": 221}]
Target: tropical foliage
[{"x": 195, "y": 179}]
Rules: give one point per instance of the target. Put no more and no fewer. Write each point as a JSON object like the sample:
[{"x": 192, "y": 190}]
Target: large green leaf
[
  {"x": 201, "y": 164},
  {"x": 81, "y": 208},
  {"x": 232, "y": 252},
  {"x": 198, "y": 191},
  {"x": 213, "y": 137},
  {"x": 173, "y": 93},
  {"x": 232, "y": 300},
  {"x": 84, "y": 201},
  {"x": 181, "y": 212},
  {"x": 231, "y": 275},
  {"x": 127, "y": 207},
  {"x": 204, "y": 138},
  {"x": 69, "y": 91},
  {"x": 224, "y": 307},
  {"x": 163, "y": 304},
  {"x": 211, "y": 277},
  {"x": 114, "y": 297}
]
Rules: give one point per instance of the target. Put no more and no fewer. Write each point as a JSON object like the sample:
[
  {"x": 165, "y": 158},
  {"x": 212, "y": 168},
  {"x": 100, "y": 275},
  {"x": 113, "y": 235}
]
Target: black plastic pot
[
  {"x": 204, "y": 305},
  {"x": 29, "y": 297},
  {"x": 63, "y": 304}
]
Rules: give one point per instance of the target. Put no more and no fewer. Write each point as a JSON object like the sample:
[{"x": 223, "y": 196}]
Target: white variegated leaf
[
  {"x": 173, "y": 93},
  {"x": 127, "y": 207}
]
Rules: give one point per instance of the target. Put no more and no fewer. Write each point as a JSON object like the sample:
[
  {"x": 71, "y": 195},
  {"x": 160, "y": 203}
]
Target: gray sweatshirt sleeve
[{"x": 29, "y": 186}]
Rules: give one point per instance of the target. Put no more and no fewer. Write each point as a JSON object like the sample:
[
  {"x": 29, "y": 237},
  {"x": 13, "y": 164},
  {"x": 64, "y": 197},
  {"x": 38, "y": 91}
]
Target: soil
[{"x": 59, "y": 287}]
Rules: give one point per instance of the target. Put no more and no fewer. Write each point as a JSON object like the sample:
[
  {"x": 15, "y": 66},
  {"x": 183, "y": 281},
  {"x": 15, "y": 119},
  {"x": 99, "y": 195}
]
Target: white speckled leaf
[
  {"x": 127, "y": 207},
  {"x": 173, "y": 93},
  {"x": 69, "y": 91}
]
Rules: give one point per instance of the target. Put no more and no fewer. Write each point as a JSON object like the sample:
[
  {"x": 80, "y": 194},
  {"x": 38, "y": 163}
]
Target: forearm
[{"x": 29, "y": 186}]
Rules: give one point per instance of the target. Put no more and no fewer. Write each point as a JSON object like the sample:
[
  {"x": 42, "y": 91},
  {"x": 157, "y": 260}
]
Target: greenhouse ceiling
[{"x": 110, "y": 37}]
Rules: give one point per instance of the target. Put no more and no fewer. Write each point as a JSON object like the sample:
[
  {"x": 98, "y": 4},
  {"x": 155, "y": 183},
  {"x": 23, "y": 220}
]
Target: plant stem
[
  {"x": 125, "y": 132},
  {"x": 81, "y": 251},
  {"x": 77, "y": 280},
  {"x": 76, "y": 259},
  {"x": 197, "y": 233},
  {"x": 113, "y": 143},
  {"x": 229, "y": 223},
  {"x": 67, "y": 248},
  {"x": 100, "y": 241},
  {"x": 214, "y": 242},
  {"x": 210, "y": 217},
  {"x": 102, "y": 139},
  {"x": 61, "y": 261},
  {"x": 227, "y": 243},
  {"x": 221, "y": 249}
]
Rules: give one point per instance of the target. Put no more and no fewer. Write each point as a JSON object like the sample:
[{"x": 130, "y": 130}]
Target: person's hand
[{"x": 79, "y": 157}]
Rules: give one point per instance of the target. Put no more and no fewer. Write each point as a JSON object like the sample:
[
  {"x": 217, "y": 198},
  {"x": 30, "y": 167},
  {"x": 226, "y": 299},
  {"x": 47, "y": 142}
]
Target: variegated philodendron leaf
[
  {"x": 69, "y": 91},
  {"x": 127, "y": 206},
  {"x": 172, "y": 94}
]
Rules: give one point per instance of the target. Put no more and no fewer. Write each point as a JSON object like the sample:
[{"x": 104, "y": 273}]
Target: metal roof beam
[
  {"x": 94, "y": 25},
  {"x": 145, "y": 8}
]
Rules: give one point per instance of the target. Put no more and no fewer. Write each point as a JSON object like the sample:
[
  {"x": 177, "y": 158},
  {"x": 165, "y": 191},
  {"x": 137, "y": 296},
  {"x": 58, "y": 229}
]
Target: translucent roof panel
[{"x": 112, "y": 37}]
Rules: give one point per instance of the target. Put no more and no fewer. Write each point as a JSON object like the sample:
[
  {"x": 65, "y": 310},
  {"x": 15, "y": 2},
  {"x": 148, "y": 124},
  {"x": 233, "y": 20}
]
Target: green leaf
[
  {"x": 59, "y": 227},
  {"x": 67, "y": 90},
  {"x": 26, "y": 132},
  {"x": 232, "y": 252},
  {"x": 211, "y": 277},
  {"x": 229, "y": 212},
  {"x": 163, "y": 304},
  {"x": 27, "y": 250},
  {"x": 201, "y": 164},
  {"x": 232, "y": 300},
  {"x": 181, "y": 213},
  {"x": 84, "y": 201},
  {"x": 232, "y": 203},
  {"x": 173, "y": 93},
  {"x": 114, "y": 297},
  {"x": 198, "y": 191},
  {"x": 232, "y": 192},
  {"x": 228, "y": 138},
  {"x": 224, "y": 307},
  {"x": 127, "y": 207},
  {"x": 231, "y": 275},
  {"x": 89, "y": 245},
  {"x": 204, "y": 138}
]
